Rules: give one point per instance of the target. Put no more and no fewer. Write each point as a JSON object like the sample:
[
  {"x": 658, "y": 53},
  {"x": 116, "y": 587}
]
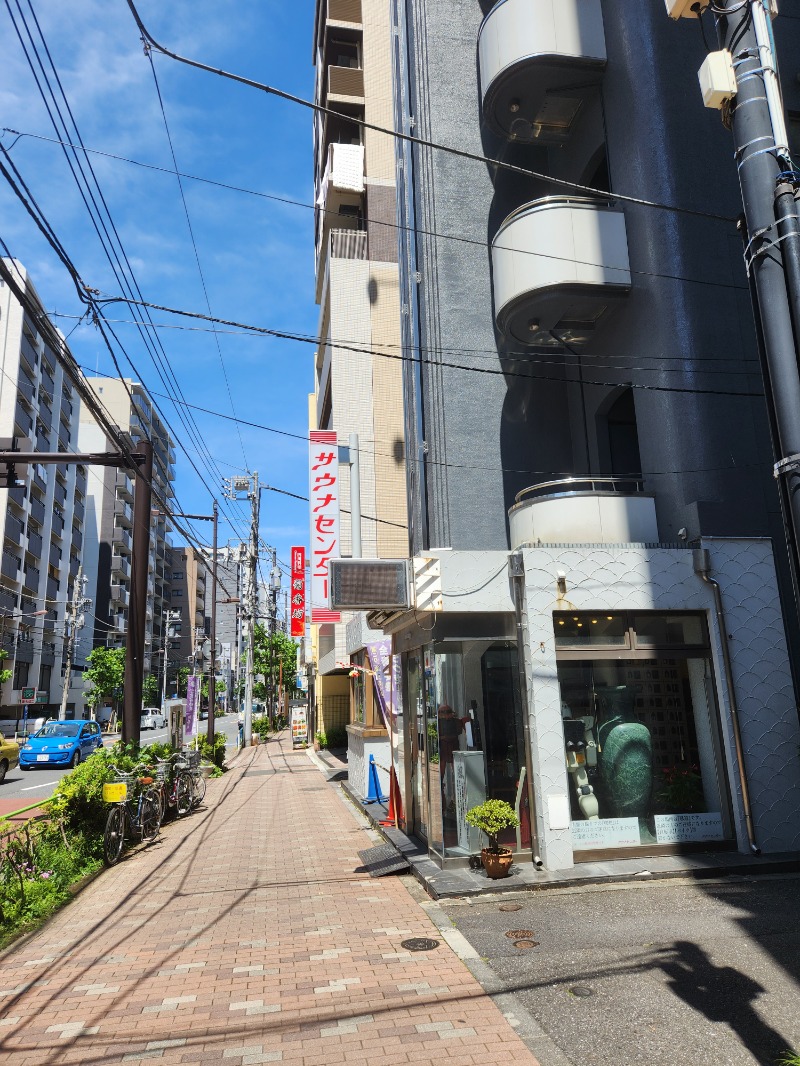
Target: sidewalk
[{"x": 246, "y": 936}]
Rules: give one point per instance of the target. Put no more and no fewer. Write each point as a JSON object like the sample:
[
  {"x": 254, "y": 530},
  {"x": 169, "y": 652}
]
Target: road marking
[{"x": 44, "y": 784}]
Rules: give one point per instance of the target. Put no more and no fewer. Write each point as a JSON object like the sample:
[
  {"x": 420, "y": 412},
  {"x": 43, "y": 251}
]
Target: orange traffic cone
[{"x": 395, "y": 812}]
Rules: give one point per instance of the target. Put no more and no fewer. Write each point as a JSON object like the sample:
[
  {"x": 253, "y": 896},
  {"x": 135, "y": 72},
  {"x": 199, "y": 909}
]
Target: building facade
[
  {"x": 110, "y": 530},
  {"x": 44, "y": 520},
  {"x": 189, "y": 580},
  {"x": 600, "y": 628},
  {"x": 357, "y": 391}
]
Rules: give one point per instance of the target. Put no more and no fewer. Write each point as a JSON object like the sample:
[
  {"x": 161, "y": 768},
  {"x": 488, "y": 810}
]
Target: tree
[
  {"x": 107, "y": 675},
  {"x": 5, "y": 675},
  {"x": 268, "y": 655},
  {"x": 151, "y": 691}
]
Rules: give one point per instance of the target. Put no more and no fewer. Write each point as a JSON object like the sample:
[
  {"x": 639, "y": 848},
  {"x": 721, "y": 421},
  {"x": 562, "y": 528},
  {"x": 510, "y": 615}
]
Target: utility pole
[
  {"x": 212, "y": 672},
  {"x": 74, "y": 622},
  {"x": 768, "y": 183},
  {"x": 237, "y": 486},
  {"x": 135, "y": 648}
]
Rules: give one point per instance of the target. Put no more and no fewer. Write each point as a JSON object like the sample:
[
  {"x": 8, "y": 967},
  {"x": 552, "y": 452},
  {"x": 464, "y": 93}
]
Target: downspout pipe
[
  {"x": 702, "y": 567},
  {"x": 516, "y": 569}
]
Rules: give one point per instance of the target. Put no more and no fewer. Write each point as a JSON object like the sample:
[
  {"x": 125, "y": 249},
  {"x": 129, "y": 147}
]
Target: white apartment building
[
  {"x": 110, "y": 527},
  {"x": 43, "y": 522}
]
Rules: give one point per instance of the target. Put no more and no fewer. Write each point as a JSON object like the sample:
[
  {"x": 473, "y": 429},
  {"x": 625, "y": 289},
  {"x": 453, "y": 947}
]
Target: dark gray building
[{"x": 582, "y": 334}]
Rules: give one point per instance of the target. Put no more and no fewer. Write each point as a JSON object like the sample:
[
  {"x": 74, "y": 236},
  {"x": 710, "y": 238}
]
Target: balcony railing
[
  {"x": 124, "y": 484},
  {"x": 38, "y": 512},
  {"x": 584, "y": 510},
  {"x": 14, "y": 528},
  {"x": 47, "y": 382},
  {"x": 35, "y": 543},
  {"x": 79, "y": 510},
  {"x": 55, "y": 556},
  {"x": 58, "y": 521},
  {"x": 60, "y": 493},
  {"x": 344, "y": 11},
  {"x": 539, "y": 61},
  {"x": 560, "y": 264},
  {"x": 10, "y": 566},
  {"x": 77, "y": 537},
  {"x": 123, "y": 512},
  {"x": 345, "y": 85},
  {"x": 25, "y": 386},
  {"x": 53, "y": 589},
  {"x": 23, "y": 420},
  {"x": 120, "y": 594},
  {"x": 120, "y": 564},
  {"x": 348, "y": 244},
  {"x": 31, "y": 576}
]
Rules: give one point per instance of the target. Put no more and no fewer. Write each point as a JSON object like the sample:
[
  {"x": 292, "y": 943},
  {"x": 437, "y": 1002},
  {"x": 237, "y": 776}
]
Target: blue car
[{"x": 60, "y": 744}]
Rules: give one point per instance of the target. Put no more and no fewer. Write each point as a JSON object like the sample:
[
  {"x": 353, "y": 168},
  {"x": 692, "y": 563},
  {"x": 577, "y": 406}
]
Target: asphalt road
[
  {"x": 28, "y": 786},
  {"x": 662, "y": 973}
]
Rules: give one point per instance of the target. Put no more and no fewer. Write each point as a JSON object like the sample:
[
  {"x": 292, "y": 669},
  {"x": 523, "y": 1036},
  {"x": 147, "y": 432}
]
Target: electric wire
[
  {"x": 419, "y": 231},
  {"x": 409, "y": 138},
  {"x": 121, "y": 267}
]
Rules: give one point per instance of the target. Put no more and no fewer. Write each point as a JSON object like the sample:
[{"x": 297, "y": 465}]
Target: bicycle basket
[
  {"x": 115, "y": 791},
  {"x": 192, "y": 759},
  {"x": 162, "y": 771}
]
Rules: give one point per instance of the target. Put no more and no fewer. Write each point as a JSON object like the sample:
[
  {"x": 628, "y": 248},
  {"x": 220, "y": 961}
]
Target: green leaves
[
  {"x": 492, "y": 817},
  {"x": 273, "y": 652},
  {"x": 106, "y": 673}
]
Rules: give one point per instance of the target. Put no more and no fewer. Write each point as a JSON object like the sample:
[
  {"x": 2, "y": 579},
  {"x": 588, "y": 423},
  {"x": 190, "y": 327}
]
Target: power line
[
  {"x": 380, "y": 353},
  {"x": 409, "y": 138},
  {"x": 417, "y": 230}
]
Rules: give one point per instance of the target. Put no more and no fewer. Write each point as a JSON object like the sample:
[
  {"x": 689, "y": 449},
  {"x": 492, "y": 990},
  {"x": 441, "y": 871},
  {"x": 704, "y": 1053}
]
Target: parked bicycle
[
  {"x": 135, "y": 811},
  {"x": 174, "y": 785},
  {"x": 195, "y": 771}
]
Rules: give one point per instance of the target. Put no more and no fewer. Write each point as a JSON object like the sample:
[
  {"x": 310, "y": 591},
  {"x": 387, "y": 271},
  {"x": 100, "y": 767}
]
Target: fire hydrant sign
[{"x": 323, "y": 494}]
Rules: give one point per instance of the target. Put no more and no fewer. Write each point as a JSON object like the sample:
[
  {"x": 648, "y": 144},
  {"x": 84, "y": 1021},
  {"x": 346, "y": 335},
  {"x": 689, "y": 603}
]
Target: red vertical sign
[{"x": 298, "y": 596}]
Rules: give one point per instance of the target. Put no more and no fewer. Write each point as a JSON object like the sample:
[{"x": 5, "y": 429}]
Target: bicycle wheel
[
  {"x": 183, "y": 794},
  {"x": 161, "y": 797},
  {"x": 150, "y": 817},
  {"x": 114, "y": 836},
  {"x": 199, "y": 789}
]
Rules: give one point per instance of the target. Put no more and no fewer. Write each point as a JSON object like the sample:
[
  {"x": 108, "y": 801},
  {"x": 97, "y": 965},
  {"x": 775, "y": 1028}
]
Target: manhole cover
[
  {"x": 525, "y": 945},
  {"x": 510, "y": 907},
  {"x": 520, "y": 934},
  {"x": 419, "y": 943},
  {"x": 581, "y": 991}
]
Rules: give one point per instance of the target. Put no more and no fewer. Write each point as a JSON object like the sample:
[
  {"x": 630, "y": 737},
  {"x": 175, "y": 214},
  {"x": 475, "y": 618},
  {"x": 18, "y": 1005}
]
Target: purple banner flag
[
  {"x": 386, "y": 676},
  {"x": 192, "y": 699}
]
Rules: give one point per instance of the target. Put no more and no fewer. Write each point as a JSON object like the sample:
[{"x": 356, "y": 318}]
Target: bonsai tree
[{"x": 492, "y": 817}]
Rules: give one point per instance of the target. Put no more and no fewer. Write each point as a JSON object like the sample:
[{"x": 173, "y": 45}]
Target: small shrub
[
  {"x": 491, "y": 818},
  {"x": 215, "y": 752},
  {"x": 261, "y": 727},
  {"x": 321, "y": 738},
  {"x": 77, "y": 801}
]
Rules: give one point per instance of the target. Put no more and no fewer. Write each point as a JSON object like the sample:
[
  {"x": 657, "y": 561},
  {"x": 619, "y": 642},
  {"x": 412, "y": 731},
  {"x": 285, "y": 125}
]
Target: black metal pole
[
  {"x": 212, "y": 672},
  {"x": 759, "y": 169},
  {"x": 135, "y": 646}
]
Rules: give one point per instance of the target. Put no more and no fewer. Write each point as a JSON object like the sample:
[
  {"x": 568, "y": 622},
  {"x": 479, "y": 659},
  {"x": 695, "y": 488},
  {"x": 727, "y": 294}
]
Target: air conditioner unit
[{"x": 369, "y": 584}]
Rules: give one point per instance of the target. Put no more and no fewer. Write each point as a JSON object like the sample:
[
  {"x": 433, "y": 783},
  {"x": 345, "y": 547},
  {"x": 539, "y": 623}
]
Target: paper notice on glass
[
  {"x": 680, "y": 828},
  {"x": 605, "y": 833}
]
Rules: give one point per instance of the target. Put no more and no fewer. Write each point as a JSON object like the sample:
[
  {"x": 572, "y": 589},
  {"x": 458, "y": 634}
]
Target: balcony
[
  {"x": 63, "y": 435},
  {"x": 34, "y": 543},
  {"x": 30, "y": 579},
  {"x": 58, "y": 521},
  {"x": 55, "y": 556},
  {"x": 344, "y": 12},
  {"x": 539, "y": 60},
  {"x": 120, "y": 564},
  {"x": 28, "y": 356},
  {"x": 123, "y": 512},
  {"x": 124, "y": 485},
  {"x": 60, "y": 493},
  {"x": 345, "y": 85},
  {"x": 601, "y": 510},
  {"x": 121, "y": 537},
  {"x": 45, "y": 415},
  {"x": 38, "y": 512},
  {"x": 74, "y": 566},
  {"x": 120, "y": 594},
  {"x": 79, "y": 510},
  {"x": 569, "y": 292},
  {"x": 53, "y": 588},
  {"x": 77, "y": 538},
  {"x": 10, "y": 566},
  {"x": 14, "y": 528},
  {"x": 8, "y": 600},
  {"x": 48, "y": 384},
  {"x": 24, "y": 421},
  {"x": 25, "y": 386}
]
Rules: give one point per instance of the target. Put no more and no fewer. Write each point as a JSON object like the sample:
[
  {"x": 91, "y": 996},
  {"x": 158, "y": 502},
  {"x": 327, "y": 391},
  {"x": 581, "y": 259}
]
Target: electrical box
[
  {"x": 682, "y": 9},
  {"x": 717, "y": 79}
]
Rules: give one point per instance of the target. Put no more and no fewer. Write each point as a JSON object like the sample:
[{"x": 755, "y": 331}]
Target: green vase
[{"x": 625, "y": 760}]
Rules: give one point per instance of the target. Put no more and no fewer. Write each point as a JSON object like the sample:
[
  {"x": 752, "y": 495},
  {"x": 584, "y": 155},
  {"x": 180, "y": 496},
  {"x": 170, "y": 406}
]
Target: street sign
[{"x": 28, "y": 695}]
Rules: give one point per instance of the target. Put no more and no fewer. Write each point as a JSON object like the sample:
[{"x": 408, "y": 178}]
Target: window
[
  {"x": 177, "y": 575},
  {"x": 640, "y": 727},
  {"x": 177, "y": 592},
  {"x": 45, "y": 674},
  {"x": 21, "y": 671}
]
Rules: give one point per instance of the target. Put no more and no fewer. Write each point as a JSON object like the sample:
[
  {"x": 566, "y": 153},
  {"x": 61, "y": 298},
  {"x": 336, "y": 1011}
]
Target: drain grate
[
  {"x": 419, "y": 943},
  {"x": 520, "y": 934},
  {"x": 526, "y": 945}
]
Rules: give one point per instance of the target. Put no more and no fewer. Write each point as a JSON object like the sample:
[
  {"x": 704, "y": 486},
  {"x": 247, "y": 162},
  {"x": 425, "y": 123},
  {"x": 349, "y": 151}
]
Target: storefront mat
[{"x": 382, "y": 860}]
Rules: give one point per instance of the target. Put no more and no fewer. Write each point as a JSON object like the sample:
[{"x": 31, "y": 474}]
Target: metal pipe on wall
[{"x": 702, "y": 566}]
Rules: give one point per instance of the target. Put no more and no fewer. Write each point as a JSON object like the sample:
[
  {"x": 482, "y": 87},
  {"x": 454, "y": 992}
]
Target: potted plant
[{"x": 491, "y": 817}]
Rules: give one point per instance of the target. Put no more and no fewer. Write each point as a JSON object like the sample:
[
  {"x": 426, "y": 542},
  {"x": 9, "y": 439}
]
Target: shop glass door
[{"x": 416, "y": 746}]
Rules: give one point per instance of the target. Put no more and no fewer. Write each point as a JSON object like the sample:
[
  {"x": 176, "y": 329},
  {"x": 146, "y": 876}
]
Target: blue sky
[{"x": 256, "y": 254}]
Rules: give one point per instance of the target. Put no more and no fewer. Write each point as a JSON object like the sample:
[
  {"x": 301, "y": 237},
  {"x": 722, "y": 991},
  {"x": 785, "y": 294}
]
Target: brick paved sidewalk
[{"x": 245, "y": 936}]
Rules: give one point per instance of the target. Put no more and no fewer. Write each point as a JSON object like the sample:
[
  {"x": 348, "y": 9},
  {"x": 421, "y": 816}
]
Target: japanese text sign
[
  {"x": 297, "y": 597},
  {"x": 323, "y": 493}
]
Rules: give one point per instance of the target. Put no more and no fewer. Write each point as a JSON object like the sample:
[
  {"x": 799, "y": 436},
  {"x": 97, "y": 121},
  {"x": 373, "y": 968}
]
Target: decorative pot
[{"x": 497, "y": 864}]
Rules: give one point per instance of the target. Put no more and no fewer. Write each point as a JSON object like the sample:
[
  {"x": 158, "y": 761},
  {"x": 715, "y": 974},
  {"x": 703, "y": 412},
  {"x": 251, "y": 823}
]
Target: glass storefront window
[
  {"x": 640, "y": 743},
  {"x": 473, "y": 736},
  {"x": 359, "y": 683},
  {"x": 668, "y": 630}
]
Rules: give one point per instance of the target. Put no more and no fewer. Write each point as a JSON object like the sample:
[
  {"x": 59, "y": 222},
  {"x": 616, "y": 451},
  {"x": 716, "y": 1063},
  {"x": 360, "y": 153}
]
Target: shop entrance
[{"x": 641, "y": 733}]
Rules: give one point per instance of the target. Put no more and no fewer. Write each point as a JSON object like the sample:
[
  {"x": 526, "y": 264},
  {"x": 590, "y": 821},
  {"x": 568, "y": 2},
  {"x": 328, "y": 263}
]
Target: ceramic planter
[{"x": 497, "y": 864}]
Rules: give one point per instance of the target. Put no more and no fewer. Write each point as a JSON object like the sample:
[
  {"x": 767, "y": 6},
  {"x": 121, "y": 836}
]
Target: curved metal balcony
[
  {"x": 559, "y": 265},
  {"x": 539, "y": 59},
  {"x": 584, "y": 510}
]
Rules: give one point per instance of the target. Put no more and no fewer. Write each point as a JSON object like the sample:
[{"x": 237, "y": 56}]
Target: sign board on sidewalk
[
  {"x": 28, "y": 695},
  {"x": 299, "y": 726}
]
